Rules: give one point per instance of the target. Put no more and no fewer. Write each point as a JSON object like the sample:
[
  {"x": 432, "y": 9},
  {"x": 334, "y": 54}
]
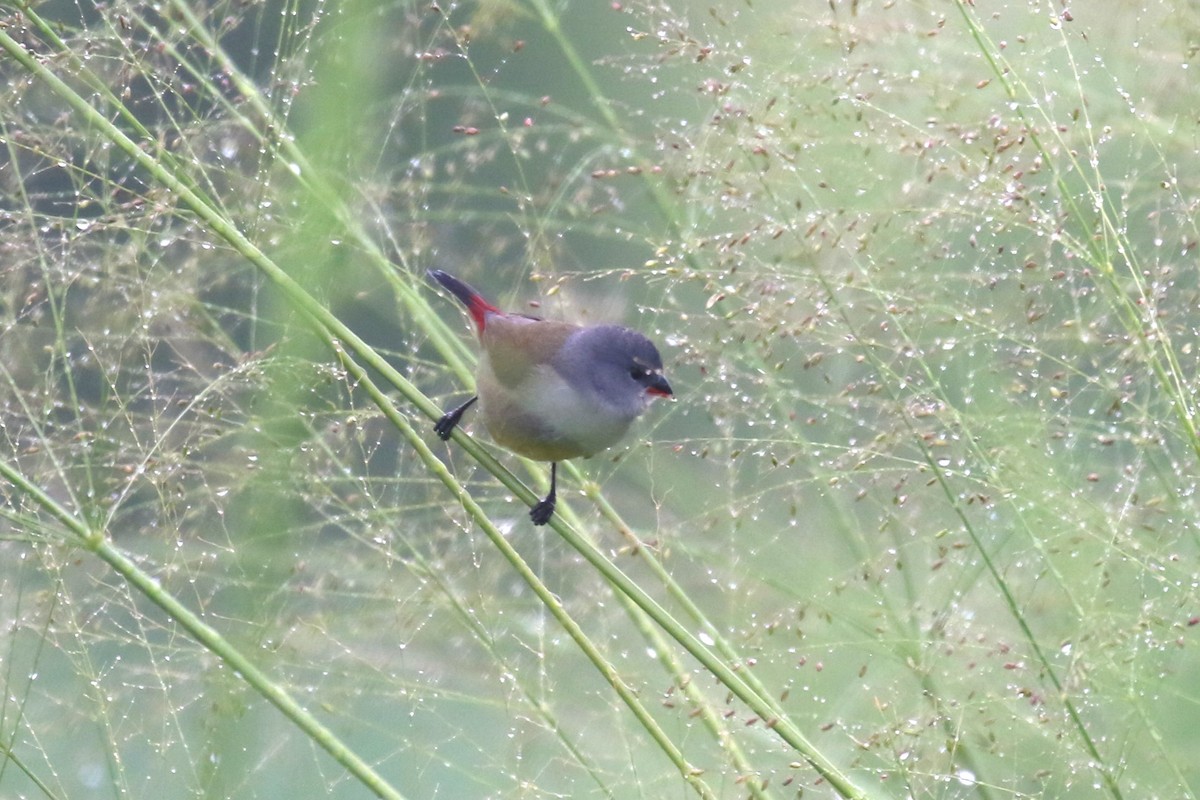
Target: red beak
[{"x": 659, "y": 387}]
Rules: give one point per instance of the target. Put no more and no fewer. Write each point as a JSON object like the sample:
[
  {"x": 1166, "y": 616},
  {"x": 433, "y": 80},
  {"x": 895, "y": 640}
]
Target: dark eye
[{"x": 638, "y": 373}]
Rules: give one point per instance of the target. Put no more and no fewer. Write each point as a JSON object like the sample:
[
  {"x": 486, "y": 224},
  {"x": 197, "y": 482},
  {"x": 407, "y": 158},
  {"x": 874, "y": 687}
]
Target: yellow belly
[{"x": 544, "y": 419}]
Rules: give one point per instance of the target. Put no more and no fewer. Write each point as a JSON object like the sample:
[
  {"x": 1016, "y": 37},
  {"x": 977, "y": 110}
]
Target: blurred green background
[{"x": 924, "y": 276}]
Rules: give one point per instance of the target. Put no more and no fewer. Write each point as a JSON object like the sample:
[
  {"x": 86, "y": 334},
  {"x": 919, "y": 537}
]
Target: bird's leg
[
  {"x": 544, "y": 510},
  {"x": 450, "y": 419}
]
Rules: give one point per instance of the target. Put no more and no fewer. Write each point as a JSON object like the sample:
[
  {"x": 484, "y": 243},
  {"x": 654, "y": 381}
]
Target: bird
[{"x": 551, "y": 390}]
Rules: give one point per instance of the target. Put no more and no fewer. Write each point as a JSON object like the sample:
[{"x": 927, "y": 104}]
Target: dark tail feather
[{"x": 470, "y": 298}]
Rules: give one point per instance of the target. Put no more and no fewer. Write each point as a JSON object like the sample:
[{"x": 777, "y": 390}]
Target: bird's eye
[{"x": 638, "y": 373}]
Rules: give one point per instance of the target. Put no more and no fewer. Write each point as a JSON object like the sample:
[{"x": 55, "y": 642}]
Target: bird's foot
[
  {"x": 449, "y": 421},
  {"x": 447, "y": 424},
  {"x": 543, "y": 511}
]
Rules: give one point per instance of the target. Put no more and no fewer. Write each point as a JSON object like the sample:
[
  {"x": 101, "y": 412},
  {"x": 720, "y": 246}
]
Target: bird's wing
[{"x": 516, "y": 345}]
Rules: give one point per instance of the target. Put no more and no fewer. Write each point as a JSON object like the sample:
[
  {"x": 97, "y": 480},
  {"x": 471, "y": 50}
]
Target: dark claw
[
  {"x": 544, "y": 510},
  {"x": 446, "y": 425}
]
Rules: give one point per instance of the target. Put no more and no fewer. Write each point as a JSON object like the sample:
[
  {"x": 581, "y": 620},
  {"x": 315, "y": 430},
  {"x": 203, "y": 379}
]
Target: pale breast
[{"x": 544, "y": 418}]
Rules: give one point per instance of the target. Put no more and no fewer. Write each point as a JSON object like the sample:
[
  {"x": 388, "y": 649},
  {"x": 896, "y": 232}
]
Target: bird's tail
[{"x": 470, "y": 298}]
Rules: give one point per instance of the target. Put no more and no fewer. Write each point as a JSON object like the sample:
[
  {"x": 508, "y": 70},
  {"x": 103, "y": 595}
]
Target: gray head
[{"x": 622, "y": 367}]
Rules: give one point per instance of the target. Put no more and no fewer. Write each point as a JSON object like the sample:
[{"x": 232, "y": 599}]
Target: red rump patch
[
  {"x": 470, "y": 298},
  {"x": 479, "y": 309}
]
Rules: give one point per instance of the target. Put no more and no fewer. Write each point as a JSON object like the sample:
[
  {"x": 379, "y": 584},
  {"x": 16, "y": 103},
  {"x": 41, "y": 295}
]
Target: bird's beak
[{"x": 658, "y": 386}]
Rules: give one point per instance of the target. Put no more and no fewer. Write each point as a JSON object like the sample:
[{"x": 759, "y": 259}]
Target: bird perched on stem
[{"x": 551, "y": 390}]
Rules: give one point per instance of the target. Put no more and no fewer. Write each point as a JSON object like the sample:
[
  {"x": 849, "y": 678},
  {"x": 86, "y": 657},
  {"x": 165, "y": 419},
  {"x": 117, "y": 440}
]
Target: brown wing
[{"x": 516, "y": 344}]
